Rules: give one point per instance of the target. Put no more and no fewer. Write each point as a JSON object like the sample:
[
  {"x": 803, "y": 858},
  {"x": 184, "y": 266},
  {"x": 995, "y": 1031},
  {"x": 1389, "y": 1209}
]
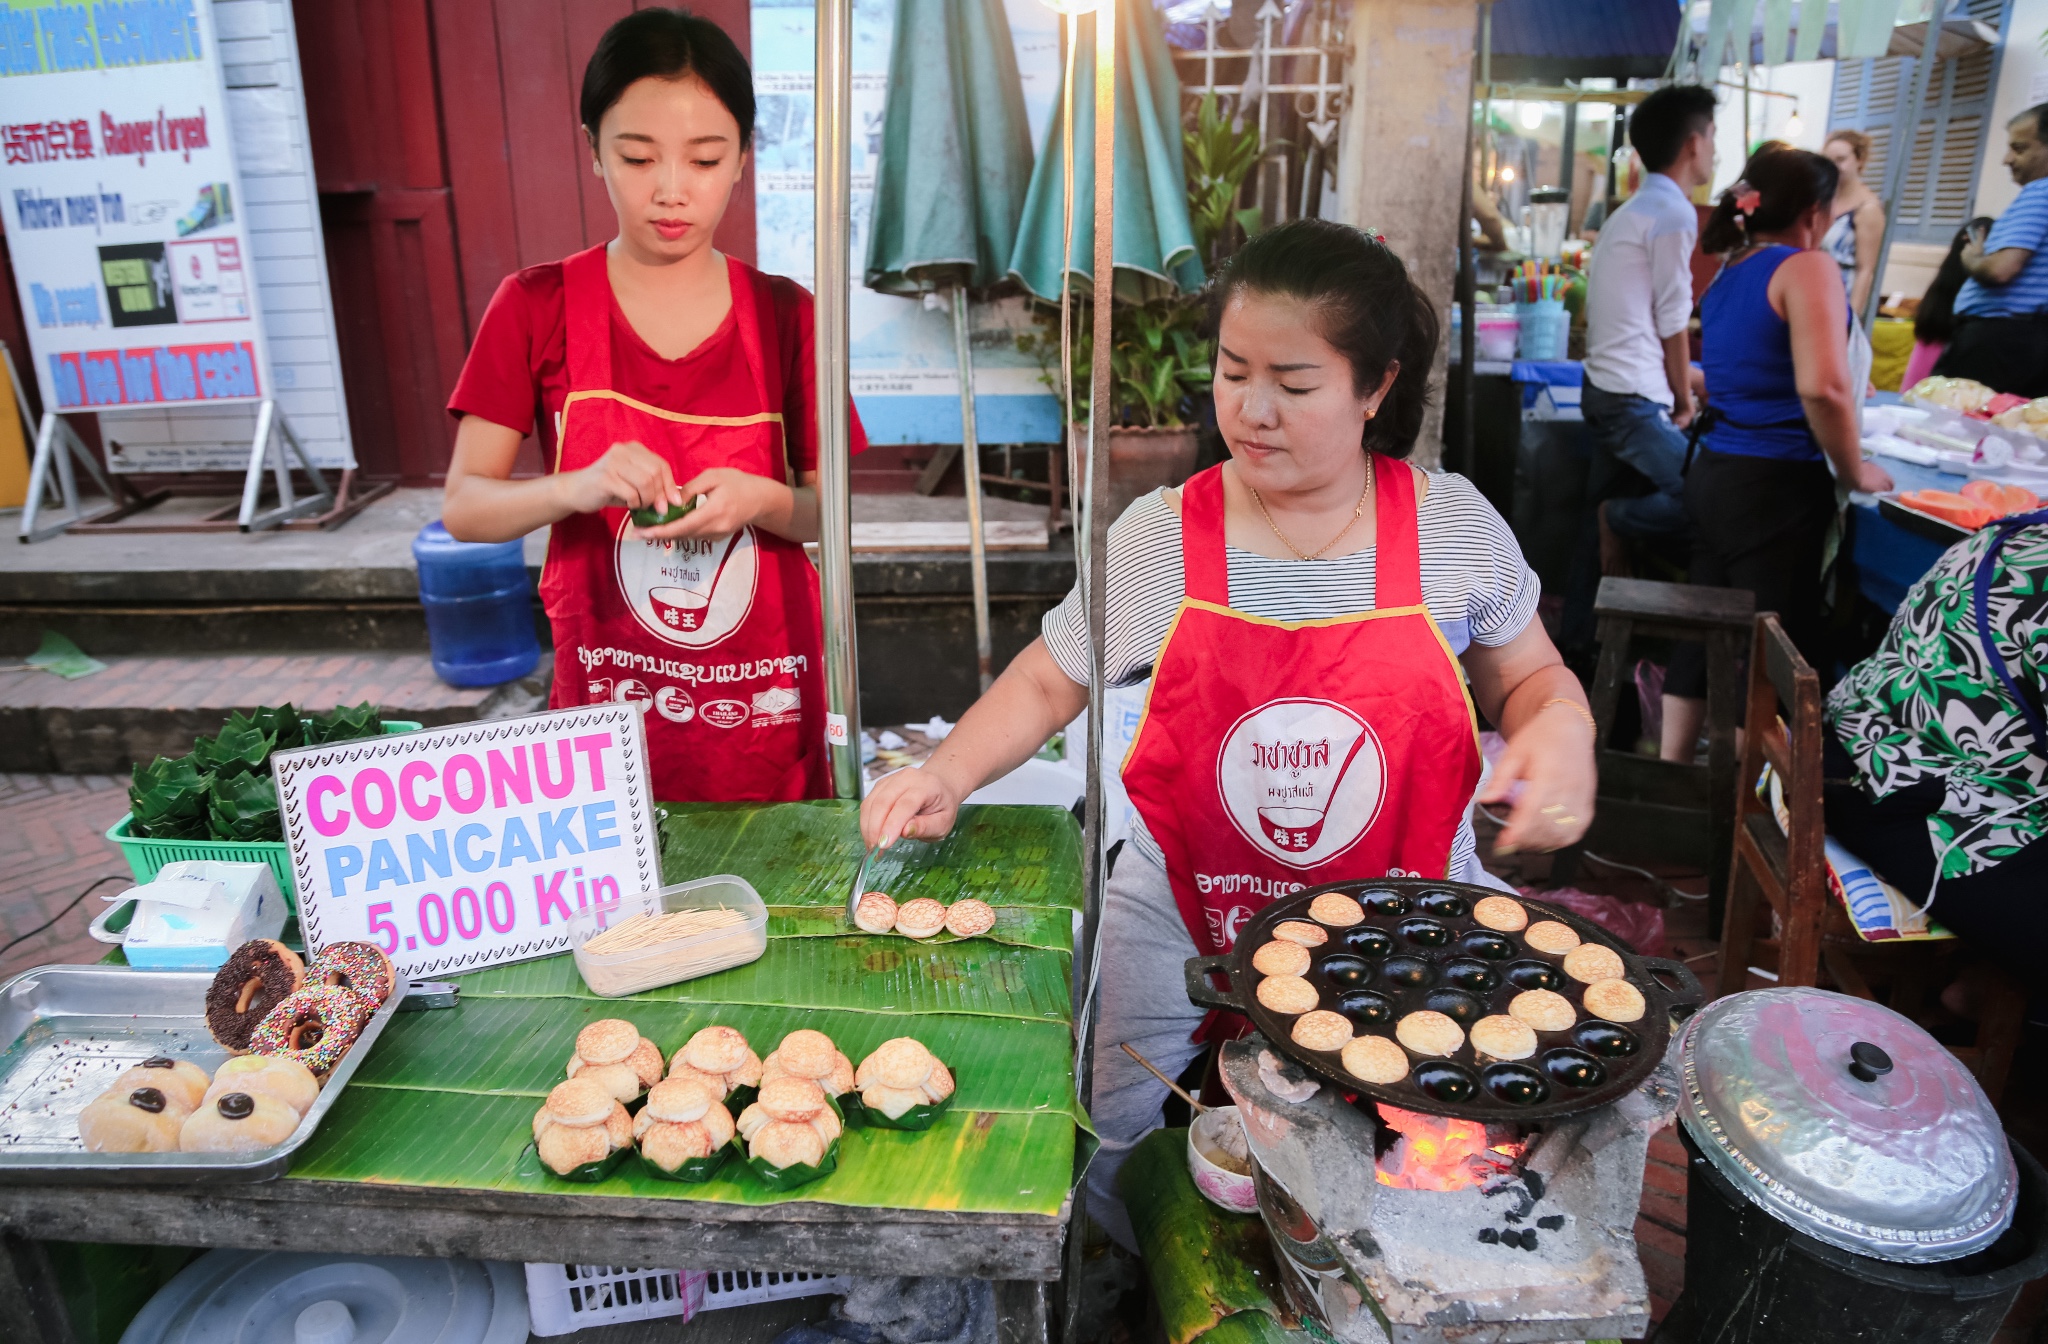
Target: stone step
[{"x": 142, "y": 707}]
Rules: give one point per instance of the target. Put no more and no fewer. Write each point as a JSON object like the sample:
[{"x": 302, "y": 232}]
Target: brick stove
[{"x": 1535, "y": 1242}]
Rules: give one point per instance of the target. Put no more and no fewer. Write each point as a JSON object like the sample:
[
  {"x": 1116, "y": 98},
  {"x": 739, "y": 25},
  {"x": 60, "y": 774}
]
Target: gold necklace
[{"x": 1300, "y": 554}]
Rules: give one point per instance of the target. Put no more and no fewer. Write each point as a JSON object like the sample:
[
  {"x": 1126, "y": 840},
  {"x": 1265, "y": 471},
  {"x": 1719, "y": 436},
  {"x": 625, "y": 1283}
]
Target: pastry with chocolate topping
[{"x": 261, "y": 974}]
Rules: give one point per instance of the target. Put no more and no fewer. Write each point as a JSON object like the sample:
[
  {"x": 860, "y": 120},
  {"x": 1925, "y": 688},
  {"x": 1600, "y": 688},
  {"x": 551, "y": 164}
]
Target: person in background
[
  {"x": 1857, "y": 230},
  {"x": 1774, "y": 340},
  {"x": 1596, "y": 218},
  {"x": 2001, "y": 332},
  {"x": 1936, "y": 757},
  {"x": 1638, "y": 397},
  {"x": 1935, "y": 319}
]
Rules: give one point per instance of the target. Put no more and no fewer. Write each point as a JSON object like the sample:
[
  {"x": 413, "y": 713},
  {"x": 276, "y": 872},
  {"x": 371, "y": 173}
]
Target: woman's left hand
[
  {"x": 1551, "y": 757},
  {"x": 733, "y": 499}
]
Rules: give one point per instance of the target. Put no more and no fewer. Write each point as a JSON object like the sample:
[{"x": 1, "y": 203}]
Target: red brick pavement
[
  {"x": 316, "y": 681},
  {"x": 52, "y": 844}
]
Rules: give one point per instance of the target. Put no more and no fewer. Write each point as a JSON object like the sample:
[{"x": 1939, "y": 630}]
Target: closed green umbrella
[
  {"x": 955, "y": 165},
  {"x": 1155, "y": 241}
]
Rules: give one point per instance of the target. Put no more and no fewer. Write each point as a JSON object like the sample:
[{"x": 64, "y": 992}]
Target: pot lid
[{"x": 1846, "y": 1121}]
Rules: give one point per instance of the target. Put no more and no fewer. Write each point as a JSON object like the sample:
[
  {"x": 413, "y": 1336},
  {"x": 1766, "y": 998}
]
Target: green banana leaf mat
[{"x": 447, "y": 1098}]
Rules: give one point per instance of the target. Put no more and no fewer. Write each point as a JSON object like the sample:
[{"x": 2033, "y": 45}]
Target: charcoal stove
[{"x": 1535, "y": 1243}]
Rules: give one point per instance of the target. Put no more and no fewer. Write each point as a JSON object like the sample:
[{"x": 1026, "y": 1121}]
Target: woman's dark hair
[
  {"x": 1934, "y": 321},
  {"x": 667, "y": 44},
  {"x": 1777, "y": 187},
  {"x": 1365, "y": 306}
]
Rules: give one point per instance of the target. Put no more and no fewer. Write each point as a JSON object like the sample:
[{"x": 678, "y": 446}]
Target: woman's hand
[
  {"x": 628, "y": 476},
  {"x": 1871, "y": 479},
  {"x": 733, "y": 499},
  {"x": 1551, "y": 757},
  {"x": 917, "y": 802}
]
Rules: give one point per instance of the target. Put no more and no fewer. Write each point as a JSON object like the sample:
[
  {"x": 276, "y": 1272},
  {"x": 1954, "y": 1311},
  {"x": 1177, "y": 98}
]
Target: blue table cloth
[{"x": 1888, "y": 558}]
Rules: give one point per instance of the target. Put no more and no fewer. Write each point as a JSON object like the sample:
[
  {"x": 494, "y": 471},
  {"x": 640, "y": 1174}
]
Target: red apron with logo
[
  {"x": 718, "y": 640},
  {"x": 1277, "y": 755}
]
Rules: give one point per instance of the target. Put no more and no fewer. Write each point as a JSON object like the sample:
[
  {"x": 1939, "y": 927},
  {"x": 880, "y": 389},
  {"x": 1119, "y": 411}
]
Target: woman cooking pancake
[
  {"x": 1311, "y": 616},
  {"x": 663, "y": 374}
]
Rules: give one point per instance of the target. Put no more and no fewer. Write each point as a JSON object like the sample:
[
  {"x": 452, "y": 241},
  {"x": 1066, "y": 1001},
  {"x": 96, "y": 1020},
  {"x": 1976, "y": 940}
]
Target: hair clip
[
  {"x": 1375, "y": 235},
  {"x": 1746, "y": 198}
]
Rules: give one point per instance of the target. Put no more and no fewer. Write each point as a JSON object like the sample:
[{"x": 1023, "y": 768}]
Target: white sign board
[
  {"x": 464, "y": 847},
  {"x": 124, "y": 211}
]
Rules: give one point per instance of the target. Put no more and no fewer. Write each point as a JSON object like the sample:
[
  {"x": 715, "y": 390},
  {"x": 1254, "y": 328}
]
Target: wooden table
[{"x": 428, "y": 1152}]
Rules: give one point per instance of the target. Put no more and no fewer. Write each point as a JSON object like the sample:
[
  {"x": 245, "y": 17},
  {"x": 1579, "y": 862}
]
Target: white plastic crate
[
  {"x": 563, "y": 1298},
  {"x": 741, "y": 1288}
]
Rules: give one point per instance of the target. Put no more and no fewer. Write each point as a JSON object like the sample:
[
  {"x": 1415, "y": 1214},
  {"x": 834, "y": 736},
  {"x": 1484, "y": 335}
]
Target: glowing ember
[{"x": 1437, "y": 1152}]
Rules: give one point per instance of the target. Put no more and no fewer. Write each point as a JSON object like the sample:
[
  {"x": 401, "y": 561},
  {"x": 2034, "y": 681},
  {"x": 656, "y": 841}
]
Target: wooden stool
[
  {"x": 1681, "y": 813},
  {"x": 1781, "y": 916}
]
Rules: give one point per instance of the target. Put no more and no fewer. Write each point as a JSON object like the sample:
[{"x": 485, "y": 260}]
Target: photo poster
[
  {"x": 124, "y": 212},
  {"x": 903, "y": 366},
  {"x": 458, "y": 848}
]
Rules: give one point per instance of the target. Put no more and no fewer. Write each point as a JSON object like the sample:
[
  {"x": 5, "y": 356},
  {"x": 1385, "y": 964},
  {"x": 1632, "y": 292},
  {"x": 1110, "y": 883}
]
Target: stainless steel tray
[{"x": 69, "y": 1031}]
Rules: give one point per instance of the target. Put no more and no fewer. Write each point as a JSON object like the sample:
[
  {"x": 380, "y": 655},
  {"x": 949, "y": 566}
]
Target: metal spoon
[{"x": 860, "y": 879}]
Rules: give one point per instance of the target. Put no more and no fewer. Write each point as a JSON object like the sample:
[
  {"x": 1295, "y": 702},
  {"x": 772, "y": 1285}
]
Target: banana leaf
[
  {"x": 168, "y": 798},
  {"x": 693, "y": 1172},
  {"x": 1018, "y": 925},
  {"x": 801, "y": 1173},
  {"x": 970, "y": 1161},
  {"x": 590, "y": 1173},
  {"x": 807, "y": 853},
  {"x": 244, "y": 807},
  {"x": 343, "y": 723},
  {"x": 519, "y": 1047},
  {"x": 1204, "y": 1264},
  {"x": 860, "y": 1114},
  {"x": 236, "y": 751},
  {"x": 863, "y": 973},
  {"x": 282, "y": 724}
]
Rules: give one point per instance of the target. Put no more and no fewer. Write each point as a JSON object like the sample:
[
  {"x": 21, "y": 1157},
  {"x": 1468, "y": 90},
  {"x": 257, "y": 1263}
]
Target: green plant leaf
[
  {"x": 238, "y": 750},
  {"x": 1206, "y": 1265},
  {"x": 343, "y": 723},
  {"x": 282, "y": 724},
  {"x": 169, "y": 799},
  {"x": 244, "y": 807}
]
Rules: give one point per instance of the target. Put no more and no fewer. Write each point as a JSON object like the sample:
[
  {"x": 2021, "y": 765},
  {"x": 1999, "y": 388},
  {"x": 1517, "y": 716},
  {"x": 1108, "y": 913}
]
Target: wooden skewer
[{"x": 1177, "y": 1089}]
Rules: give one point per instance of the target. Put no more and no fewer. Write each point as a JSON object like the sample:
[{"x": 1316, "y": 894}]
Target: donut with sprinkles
[
  {"x": 314, "y": 1026},
  {"x": 362, "y": 967}
]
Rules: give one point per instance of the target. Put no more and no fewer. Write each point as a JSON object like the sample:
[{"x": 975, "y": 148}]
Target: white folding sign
[{"x": 470, "y": 846}]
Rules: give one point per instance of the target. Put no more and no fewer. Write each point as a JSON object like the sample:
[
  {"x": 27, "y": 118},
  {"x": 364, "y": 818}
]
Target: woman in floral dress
[{"x": 1938, "y": 752}]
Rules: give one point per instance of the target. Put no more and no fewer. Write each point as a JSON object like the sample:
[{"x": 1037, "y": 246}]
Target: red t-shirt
[{"x": 517, "y": 370}]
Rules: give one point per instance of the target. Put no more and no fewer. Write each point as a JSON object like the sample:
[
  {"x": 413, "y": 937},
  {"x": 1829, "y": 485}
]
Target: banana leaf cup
[
  {"x": 590, "y": 1173},
  {"x": 789, "y": 1178},
  {"x": 662, "y": 517},
  {"x": 694, "y": 1171},
  {"x": 859, "y": 1113}
]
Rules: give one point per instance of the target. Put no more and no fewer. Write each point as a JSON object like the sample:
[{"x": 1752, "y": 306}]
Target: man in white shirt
[{"x": 1638, "y": 396}]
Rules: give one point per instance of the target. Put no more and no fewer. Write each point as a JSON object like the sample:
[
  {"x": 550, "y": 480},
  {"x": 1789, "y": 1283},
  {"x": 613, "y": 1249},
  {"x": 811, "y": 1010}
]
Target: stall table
[
  {"x": 1889, "y": 557},
  {"x": 429, "y": 1151}
]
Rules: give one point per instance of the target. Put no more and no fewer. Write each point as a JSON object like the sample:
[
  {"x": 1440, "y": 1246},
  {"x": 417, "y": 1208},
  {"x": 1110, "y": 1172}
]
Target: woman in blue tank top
[{"x": 1781, "y": 413}]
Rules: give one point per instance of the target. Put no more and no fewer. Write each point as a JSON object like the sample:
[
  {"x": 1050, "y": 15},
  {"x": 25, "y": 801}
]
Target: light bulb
[
  {"x": 1532, "y": 116},
  {"x": 1507, "y": 172},
  {"x": 1794, "y": 127}
]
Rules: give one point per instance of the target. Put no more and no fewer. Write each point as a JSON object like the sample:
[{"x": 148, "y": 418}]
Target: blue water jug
[{"x": 479, "y": 607}]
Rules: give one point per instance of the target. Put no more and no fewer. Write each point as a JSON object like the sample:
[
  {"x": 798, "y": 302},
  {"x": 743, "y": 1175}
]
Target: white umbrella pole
[
  {"x": 970, "y": 459},
  {"x": 834, "y": 214}
]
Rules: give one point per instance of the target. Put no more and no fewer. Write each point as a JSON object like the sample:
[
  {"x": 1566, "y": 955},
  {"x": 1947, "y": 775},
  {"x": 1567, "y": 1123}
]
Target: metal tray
[
  {"x": 69, "y": 1031},
  {"x": 1624, "y": 1067}
]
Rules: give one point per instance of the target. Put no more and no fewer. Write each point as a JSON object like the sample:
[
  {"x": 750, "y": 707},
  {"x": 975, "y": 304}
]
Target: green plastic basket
[{"x": 146, "y": 855}]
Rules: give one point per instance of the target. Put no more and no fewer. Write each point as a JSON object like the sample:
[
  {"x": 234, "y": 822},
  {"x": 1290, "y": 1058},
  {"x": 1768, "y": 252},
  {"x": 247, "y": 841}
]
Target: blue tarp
[{"x": 1585, "y": 30}]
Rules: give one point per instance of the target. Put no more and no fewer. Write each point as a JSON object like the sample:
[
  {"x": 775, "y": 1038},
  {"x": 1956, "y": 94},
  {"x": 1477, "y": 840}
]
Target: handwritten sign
[{"x": 470, "y": 846}]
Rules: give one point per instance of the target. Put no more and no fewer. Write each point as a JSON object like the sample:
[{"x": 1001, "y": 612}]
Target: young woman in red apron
[
  {"x": 656, "y": 371},
  {"x": 1301, "y": 726}
]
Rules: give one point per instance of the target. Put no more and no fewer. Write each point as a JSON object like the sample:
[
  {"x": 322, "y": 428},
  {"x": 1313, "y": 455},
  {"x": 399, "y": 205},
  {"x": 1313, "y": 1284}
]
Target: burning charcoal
[
  {"x": 1489, "y": 1236},
  {"x": 1552, "y": 1223},
  {"x": 1514, "y": 1217},
  {"x": 1528, "y": 1238},
  {"x": 1534, "y": 1180}
]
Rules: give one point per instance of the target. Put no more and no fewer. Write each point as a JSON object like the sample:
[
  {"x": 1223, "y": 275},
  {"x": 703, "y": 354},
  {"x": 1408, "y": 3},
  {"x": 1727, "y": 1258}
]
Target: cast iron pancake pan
[{"x": 1418, "y": 947}]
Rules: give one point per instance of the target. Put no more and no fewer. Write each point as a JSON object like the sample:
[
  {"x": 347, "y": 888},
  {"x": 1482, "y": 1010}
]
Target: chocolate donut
[
  {"x": 362, "y": 967},
  {"x": 260, "y": 975},
  {"x": 315, "y": 1026}
]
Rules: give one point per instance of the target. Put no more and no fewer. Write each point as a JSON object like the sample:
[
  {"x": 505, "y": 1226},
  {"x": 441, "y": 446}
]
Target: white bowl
[{"x": 1221, "y": 1133}]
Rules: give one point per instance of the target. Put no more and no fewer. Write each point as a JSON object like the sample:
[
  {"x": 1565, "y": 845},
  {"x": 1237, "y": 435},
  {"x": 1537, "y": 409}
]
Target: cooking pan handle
[
  {"x": 1204, "y": 995},
  {"x": 1688, "y": 996}
]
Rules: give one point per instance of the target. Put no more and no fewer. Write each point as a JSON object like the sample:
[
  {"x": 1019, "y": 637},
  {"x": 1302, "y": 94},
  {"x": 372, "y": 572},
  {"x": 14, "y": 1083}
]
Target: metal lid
[{"x": 1848, "y": 1122}]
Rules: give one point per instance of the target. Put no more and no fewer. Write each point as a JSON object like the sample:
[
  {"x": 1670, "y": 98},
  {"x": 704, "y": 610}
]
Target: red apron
[
  {"x": 718, "y": 640},
  {"x": 1277, "y": 755}
]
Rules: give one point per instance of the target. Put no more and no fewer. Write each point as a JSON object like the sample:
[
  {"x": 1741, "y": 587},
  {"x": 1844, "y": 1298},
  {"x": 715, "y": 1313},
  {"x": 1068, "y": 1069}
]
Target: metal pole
[
  {"x": 970, "y": 460},
  {"x": 834, "y": 214},
  {"x": 1897, "y": 159},
  {"x": 1095, "y": 514},
  {"x": 1069, "y": 31},
  {"x": 1468, "y": 285}
]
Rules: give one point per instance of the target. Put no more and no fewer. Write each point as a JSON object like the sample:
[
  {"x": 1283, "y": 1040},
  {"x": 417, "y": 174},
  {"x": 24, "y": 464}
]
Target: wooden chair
[
  {"x": 1781, "y": 916},
  {"x": 1649, "y": 807}
]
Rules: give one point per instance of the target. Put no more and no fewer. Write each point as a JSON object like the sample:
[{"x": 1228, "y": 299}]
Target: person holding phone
[{"x": 673, "y": 394}]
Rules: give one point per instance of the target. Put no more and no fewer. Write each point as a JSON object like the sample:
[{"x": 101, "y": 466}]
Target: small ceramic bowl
[{"x": 1219, "y": 1134}]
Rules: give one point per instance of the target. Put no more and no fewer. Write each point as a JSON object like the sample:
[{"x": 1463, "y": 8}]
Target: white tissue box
[{"x": 193, "y": 914}]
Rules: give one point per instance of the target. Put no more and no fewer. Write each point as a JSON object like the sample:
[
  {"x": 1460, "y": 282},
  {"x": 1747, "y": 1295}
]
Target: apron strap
[
  {"x": 587, "y": 319},
  {"x": 2028, "y": 702},
  {"x": 1202, "y": 557},
  {"x": 1397, "y": 565}
]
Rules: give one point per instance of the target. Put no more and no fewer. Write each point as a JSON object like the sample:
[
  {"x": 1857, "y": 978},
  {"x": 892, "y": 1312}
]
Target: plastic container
[
  {"x": 668, "y": 960},
  {"x": 147, "y": 856},
  {"x": 479, "y": 607},
  {"x": 335, "y": 1299},
  {"x": 1544, "y": 326},
  {"x": 1548, "y": 207},
  {"x": 561, "y": 1299},
  {"x": 1499, "y": 326},
  {"x": 746, "y": 1288}
]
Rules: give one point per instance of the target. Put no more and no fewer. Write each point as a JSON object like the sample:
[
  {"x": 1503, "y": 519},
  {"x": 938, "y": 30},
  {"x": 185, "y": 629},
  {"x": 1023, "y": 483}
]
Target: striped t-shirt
[
  {"x": 2024, "y": 225},
  {"x": 1474, "y": 581}
]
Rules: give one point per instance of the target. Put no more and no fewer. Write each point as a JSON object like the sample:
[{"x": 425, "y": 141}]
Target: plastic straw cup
[
  {"x": 1496, "y": 337},
  {"x": 1544, "y": 326}
]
